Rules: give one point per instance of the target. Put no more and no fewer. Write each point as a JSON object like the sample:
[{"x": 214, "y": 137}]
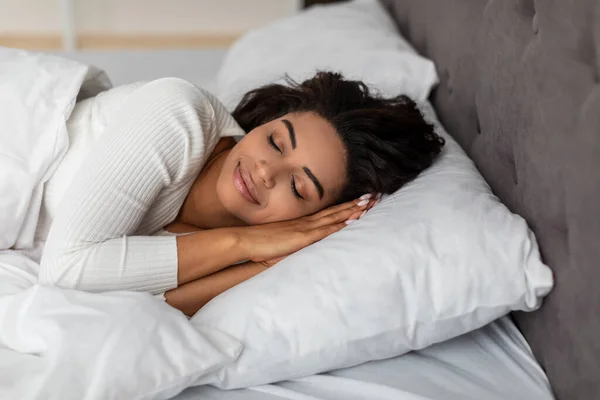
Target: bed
[
  {"x": 492, "y": 363},
  {"x": 516, "y": 77}
]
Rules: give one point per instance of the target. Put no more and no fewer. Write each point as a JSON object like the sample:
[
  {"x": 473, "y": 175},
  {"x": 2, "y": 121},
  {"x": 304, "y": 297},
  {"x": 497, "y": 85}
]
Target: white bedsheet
[{"x": 492, "y": 363}]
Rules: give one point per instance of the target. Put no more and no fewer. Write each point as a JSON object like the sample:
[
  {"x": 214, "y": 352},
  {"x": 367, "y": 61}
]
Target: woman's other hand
[
  {"x": 269, "y": 243},
  {"x": 373, "y": 200}
]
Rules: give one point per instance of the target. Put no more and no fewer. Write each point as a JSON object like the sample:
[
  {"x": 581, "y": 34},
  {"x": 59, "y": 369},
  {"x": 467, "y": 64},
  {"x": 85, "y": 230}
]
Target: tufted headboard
[{"x": 520, "y": 91}]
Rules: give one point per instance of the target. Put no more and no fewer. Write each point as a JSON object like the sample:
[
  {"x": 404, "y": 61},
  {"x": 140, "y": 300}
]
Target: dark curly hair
[{"x": 388, "y": 142}]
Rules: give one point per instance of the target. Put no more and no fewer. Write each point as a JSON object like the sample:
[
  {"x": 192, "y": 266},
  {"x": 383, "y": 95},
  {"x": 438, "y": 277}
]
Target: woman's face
[{"x": 285, "y": 169}]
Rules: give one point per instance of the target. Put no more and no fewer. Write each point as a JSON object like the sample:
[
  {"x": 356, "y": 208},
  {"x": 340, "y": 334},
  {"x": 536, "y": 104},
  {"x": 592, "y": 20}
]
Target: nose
[{"x": 265, "y": 173}]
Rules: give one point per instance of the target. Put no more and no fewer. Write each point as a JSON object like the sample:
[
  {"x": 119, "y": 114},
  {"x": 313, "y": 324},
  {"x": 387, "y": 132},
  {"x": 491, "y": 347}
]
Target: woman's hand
[
  {"x": 373, "y": 201},
  {"x": 269, "y": 243}
]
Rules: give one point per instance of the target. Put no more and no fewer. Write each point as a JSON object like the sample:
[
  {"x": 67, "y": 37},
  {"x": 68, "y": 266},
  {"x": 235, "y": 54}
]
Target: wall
[{"x": 128, "y": 21}]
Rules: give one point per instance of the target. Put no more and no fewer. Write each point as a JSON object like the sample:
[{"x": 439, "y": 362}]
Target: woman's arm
[
  {"x": 269, "y": 242},
  {"x": 205, "y": 252},
  {"x": 189, "y": 298},
  {"x": 156, "y": 143}
]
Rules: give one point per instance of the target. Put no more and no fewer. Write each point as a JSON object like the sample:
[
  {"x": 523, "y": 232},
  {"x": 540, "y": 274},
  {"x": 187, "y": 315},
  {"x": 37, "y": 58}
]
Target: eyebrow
[
  {"x": 306, "y": 170},
  {"x": 290, "y": 129},
  {"x": 314, "y": 179}
]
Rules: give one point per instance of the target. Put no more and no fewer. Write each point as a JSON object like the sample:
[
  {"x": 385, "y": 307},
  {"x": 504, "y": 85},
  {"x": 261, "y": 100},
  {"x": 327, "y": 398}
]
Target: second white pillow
[{"x": 357, "y": 38}]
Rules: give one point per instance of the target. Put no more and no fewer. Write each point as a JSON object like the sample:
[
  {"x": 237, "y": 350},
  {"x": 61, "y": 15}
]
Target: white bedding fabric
[
  {"x": 492, "y": 363},
  {"x": 67, "y": 344},
  {"x": 45, "y": 87}
]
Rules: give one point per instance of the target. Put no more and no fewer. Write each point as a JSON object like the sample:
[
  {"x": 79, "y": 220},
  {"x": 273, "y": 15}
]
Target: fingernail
[
  {"x": 348, "y": 222},
  {"x": 362, "y": 203},
  {"x": 365, "y": 196},
  {"x": 378, "y": 196},
  {"x": 363, "y": 213}
]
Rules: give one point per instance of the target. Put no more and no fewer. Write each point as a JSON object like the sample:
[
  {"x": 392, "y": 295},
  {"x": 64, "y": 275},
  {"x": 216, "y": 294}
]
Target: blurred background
[{"x": 134, "y": 24}]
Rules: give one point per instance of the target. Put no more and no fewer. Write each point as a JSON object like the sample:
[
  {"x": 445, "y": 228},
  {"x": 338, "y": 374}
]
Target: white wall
[{"x": 143, "y": 16}]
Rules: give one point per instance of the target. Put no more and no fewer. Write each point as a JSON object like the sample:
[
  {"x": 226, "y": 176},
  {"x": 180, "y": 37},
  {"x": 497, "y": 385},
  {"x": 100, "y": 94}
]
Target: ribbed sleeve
[{"x": 131, "y": 186}]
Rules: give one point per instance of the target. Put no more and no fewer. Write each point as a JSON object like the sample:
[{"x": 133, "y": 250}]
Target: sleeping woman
[{"x": 171, "y": 204}]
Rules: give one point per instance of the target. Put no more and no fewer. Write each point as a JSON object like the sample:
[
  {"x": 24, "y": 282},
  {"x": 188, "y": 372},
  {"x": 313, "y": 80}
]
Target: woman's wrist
[
  {"x": 242, "y": 242},
  {"x": 205, "y": 252}
]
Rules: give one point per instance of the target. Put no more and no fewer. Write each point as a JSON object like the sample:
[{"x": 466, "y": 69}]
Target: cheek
[
  {"x": 225, "y": 189},
  {"x": 250, "y": 143},
  {"x": 285, "y": 207},
  {"x": 282, "y": 206}
]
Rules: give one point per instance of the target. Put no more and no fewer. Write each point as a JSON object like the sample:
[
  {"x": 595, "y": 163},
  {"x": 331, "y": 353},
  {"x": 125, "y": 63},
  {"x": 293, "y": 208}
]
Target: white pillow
[
  {"x": 437, "y": 259},
  {"x": 357, "y": 38}
]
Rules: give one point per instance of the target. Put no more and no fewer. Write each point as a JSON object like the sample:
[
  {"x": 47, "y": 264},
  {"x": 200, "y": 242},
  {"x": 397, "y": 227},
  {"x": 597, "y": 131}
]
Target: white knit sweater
[{"x": 132, "y": 186}]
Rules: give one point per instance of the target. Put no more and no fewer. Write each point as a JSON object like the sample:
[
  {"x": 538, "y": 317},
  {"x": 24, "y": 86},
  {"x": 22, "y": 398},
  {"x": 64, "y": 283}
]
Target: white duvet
[{"x": 66, "y": 344}]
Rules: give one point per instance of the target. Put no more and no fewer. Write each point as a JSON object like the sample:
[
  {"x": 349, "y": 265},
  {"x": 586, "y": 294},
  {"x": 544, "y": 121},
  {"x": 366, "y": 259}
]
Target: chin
[{"x": 236, "y": 208}]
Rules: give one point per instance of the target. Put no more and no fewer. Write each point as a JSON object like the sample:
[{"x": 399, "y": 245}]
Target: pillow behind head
[
  {"x": 357, "y": 38},
  {"x": 439, "y": 258}
]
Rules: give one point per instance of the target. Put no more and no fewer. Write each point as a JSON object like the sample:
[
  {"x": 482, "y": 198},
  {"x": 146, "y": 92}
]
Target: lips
[{"x": 243, "y": 184}]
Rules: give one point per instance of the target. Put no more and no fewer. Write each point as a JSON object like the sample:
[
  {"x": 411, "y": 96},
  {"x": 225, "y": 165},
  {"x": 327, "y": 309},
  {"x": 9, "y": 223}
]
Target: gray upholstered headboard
[{"x": 520, "y": 91}]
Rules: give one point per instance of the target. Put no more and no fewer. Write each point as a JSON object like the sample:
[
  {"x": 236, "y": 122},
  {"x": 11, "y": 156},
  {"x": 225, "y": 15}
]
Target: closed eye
[
  {"x": 295, "y": 190},
  {"x": 273, "y": 144},
  {"x": 293, "y": 182}
]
